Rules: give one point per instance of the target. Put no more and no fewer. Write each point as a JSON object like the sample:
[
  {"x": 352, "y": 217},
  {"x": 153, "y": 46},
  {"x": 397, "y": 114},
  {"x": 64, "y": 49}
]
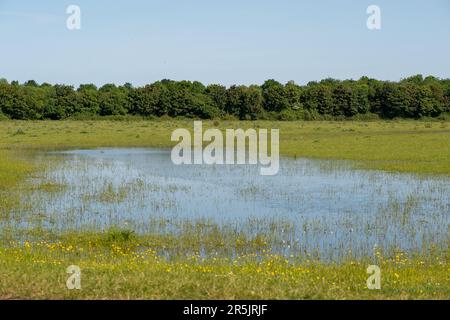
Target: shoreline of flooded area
[{"x": 320, "y": 207}]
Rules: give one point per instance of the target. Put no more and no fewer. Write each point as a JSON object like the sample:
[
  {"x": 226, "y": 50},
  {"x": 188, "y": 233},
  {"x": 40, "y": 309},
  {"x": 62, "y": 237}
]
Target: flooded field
[{"x": 320, "y": 208}]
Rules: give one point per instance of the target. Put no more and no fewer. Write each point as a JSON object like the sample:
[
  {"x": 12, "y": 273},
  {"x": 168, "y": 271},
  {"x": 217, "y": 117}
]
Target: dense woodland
[{"x": 413, "y": 97}]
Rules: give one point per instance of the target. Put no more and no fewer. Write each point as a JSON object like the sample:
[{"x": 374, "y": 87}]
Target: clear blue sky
[{"x": 233, "y": 41}]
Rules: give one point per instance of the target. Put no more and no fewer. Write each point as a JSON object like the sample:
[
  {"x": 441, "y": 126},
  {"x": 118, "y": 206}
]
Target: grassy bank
[
  {"x": 403, "y": 146},
  {"x": 123, "y": 265}
]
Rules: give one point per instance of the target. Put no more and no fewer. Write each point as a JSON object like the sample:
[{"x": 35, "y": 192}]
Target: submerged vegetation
[{"x": 203, "y": 260}]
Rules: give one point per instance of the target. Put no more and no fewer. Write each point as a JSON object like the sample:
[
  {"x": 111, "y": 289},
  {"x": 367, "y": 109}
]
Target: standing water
[{"x": 324, "y": 207}]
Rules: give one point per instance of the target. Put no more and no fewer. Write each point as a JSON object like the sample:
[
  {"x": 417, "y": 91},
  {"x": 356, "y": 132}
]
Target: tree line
[{"x": 413, "y": 97}]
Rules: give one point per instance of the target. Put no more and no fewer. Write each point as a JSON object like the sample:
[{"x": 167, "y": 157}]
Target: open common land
[{"x": 120, "y": 263}]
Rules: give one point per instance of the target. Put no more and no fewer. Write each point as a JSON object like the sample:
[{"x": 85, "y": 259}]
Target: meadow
[
  {"x": 403, "y": 146},
  {"x": 118, "y": 263}
]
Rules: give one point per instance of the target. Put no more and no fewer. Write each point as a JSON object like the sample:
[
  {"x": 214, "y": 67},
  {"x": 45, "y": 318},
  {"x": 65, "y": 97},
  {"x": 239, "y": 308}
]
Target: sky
[{"x": 227, "y": 42}]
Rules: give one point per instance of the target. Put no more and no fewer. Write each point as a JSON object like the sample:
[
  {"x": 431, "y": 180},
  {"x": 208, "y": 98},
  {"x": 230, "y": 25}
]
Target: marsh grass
[{"x": 108, "y": 194}]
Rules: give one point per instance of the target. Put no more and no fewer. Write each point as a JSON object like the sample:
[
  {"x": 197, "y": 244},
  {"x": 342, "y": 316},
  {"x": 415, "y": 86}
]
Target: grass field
[
  {"x": 117, "y": 270},
  {"x": 404, "y": 146},
  {"x": 116, "y": 264}
]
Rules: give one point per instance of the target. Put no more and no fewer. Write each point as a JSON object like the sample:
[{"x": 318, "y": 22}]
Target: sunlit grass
[
  {"x": 12, "y": 172},
  {"x": 404, "y": 146},
  {"x": 114, "y": 267}
]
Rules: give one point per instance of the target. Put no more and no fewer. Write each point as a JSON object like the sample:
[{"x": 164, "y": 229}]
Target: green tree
[
  {"x": 293, "y": 93},
  {"x": 361, "y": 95},
  {"x": 88, "y": 100},
  {"x": 218, "y": 96},
  {"x": 395, "y": 101},
  {"x": 345, "y": 102},
  {"x": 245, "y": 102},
  {"x": 21, "y": 102},
  {"x": 274, "y": 95},
  {"x": 62, "y": 102},
  {"x": 113, "y": 100}
]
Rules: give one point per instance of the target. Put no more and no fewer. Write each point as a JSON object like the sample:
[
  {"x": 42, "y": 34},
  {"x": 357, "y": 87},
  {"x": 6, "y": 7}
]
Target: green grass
[
  {"x": 120, "y": 264},
  {"x": 12, "y": 172},
  {"x": 113, "y": 266},
  {"x": 403, "y": 146}
]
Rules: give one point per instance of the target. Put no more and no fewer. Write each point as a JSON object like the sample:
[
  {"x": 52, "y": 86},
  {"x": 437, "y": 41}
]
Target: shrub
[
  {"x": 366, "y": 117},
  {"x": 2, "y": 116}
]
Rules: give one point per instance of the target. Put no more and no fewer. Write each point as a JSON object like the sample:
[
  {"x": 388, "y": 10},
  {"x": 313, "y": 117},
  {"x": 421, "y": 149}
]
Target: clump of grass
[
  {"x": 120, "y": 235},
  {"x": 109, "y": 194},
  {"x": 19, "y": 132},
  {"x": 49, "y": 187}
]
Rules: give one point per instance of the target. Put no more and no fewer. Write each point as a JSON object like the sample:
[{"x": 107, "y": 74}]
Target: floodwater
[{"x": 323, "y": 207}]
